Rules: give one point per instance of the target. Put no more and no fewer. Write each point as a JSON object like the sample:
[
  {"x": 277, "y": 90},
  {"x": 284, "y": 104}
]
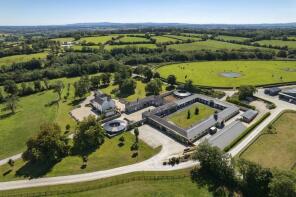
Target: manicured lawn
[
  {"x": 251, "y": 72},
  {"x": 66, "y": 39},
  {"x": 150, "y": 46},
  {"x": 171, "y": 187},
  {"x": 6, "y": 61},
  {"x": 210, "y": 45},
  {"x": 180, "y": 117},
  {"x": 280, "y": 43},
  {"x": 277, "y": 149},
  {"x": 232, "y": 38},
  {"x": 133, "y": 39},
  {"x": 98, "y": 39},
  {"x": 160, "y": 39},
  {"x": 109, "y": 155}
]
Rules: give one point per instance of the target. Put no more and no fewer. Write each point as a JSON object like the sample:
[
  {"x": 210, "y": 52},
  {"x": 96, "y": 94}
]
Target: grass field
[
  {"x": 277, "y": 149},
  {"x": 109, "y": 155},
  {"x": 280, "y": 43},
  {"x": 161, "y": 39},
  {"x": 133, "y": 39},
  {"x": 252, "y": 72},
  {"x": 292, "y": 37},
  {"x": 79, "y": 47},
  {"x": 232, "y": 38},
  {"x": 209, "y": 45},
  {"x": 183, "y": 38},
  {"x": 66, "y": 39},
  {"x": 150, "y": 46},
  {"x": 6, "y": 61},
  {"x": 97, "y": 39},
  {"x": 13, "y": 136},
  {"x": 180, "y": 117},
  {"x": 108, "y": 187},
  {"x": 139, "y": 92}
]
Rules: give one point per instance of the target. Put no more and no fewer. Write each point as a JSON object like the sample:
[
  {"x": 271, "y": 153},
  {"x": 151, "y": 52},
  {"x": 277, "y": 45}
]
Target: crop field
[
  {"x": 133, "y": 39},
  {"x": 98, "y": 39},
  {"x": 109, "y": 155},
  {"x": 180, "y": 118},
  {"x": 215, "y": 73},
  {"x": 280, "y": 43},
  {"x": 67, "y": 39},
  {"x": 183, "y": 38},
  {"x": 6, "y": 61},
  {"x": 232, "y": 38},
  {"x": 161, "y": 39},
  {"x": 276, "y": 149},
  {"x": 150, "y": 46},
  {"x": 209, "y": 45}
]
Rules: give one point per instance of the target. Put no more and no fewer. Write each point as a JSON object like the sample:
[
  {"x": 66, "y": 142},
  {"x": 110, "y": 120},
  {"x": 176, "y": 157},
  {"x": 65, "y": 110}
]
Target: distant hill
[{"x": 116, "y": 26}]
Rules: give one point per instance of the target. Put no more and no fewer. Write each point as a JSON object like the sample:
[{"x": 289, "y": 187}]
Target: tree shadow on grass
[
  {"x": 35, "y": 170},
  {"x": 51, "y": 103},
  {"x": 76, "y": 102},
  {"x": 7, "y": 115}
]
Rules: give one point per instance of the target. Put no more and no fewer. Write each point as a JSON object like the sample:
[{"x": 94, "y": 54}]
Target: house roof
[
  {"x": 98, "y": 100},
  {"x": 250, "y": 114}
]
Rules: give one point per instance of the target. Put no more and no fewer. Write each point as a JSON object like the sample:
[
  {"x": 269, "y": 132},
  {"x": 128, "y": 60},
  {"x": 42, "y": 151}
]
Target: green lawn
[
  {"x": 161, "y": 39},
  {"x": 252, "y": 72},
  {"x": 232, "y": 38},
  {"x": 98, "y": 39},
  {"x": 280, "y": 43},
  {"x": 292, "y": 37},
  {"x": 180, "y": 117},
  {"x": 66, "y": 39},
  {"x": 150, "y": 46},
  {"x": 277, "y": 149},
  {"x": 109, "y": 155},
  {"x": 6, "y": 61},
  {"x": 178, "y": 186},
  {"x": 210, "y": 45},
  {"x": 79, "y": 47},
  {"x": 133, "y": 39}
]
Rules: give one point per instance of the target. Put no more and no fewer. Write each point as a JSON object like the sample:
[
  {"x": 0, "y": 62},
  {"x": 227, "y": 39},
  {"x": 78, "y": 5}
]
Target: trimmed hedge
[{"x": 246, "y": 132}]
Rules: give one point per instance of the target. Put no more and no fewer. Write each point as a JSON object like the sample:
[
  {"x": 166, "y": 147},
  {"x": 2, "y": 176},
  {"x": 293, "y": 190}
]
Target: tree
[
  {"x": 1, "y": 96},
  {"x": 196, "y": 111},
  {"x": 127, "y": 87},
  {"x": 58, "y": 88},
  {"x": 95, "y": 81},
  {"x": 46, "y": 83},
  {"x": 156, "y": 75},
  {"x": 282, "y": 53},
  {"x": 147, "y": 72},
  {"x": 283, "y": 184},
  {"x": 246, "y": 91},
  {"x": 136, "y": 132},
  {"x": 171, "y": 80},
  {"x": 81, "y": 87},
  {"x": 188, "y": 114},
  {"x": 154, "y": 87},
  {"x": 255, "y": 178},
  {"x": 37, "y": 85},
  {"x": 215, "y": 166},
  {"x": 11, "y": 103},
  {"x": 48, "y": 146},
  {"x": 189, "y": 85},
  {"x": 88, "y": 136},
  {"x": 106, "y": 78},
  {"x": 11, "y": 162},
  {"x": 10, "y": 87}
]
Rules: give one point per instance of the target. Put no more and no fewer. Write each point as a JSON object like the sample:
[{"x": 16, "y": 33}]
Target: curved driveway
[{"x": 152, "y": 164}]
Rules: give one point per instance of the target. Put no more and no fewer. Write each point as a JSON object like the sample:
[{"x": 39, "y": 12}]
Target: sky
[{"x": 58, "y": 12}]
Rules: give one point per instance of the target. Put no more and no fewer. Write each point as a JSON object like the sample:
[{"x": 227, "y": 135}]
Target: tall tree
[
  {"x": 171, "y": 80},
  {"x": 283, "y": 184},
  {"x": 11, "y": 103},
  {"x": 10, "y": 87},
  {"x": 58, "y": 88},
  {"x": 48, "y": 146},
  {"x": 154, "y": 87},
  {"x": 245, "y": 91}
]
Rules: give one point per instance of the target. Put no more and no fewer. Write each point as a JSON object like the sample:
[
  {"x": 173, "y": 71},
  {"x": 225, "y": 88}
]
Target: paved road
[
  {"x": 152, "y": 164},
  {"x": 14, "y": 157}
]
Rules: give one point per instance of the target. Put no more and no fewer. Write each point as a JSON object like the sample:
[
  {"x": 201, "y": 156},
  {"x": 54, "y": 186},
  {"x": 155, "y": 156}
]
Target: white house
[{"x": 104, "y": 104}]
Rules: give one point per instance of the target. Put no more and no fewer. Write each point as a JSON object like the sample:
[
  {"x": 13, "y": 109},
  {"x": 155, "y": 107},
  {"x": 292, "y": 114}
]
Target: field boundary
[
  {"x": 119, "y": 181},
  {"x": 260, "y": 134}
]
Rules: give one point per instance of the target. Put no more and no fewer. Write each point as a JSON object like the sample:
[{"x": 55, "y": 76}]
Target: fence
[{"x": 93, "y": 187}]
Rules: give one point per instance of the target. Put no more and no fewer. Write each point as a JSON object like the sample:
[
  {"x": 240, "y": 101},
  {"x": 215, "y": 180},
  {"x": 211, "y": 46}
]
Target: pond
[{"x": 230, "y": 74}]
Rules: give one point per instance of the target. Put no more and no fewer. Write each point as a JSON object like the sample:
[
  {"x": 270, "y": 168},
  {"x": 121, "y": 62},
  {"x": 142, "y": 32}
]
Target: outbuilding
[
  {"x": 249, "y": 115},
  {"x": 272, "y": 91}
]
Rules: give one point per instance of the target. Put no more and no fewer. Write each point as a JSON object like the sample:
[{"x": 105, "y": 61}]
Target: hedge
[
  {"x": 237, "y": 102},
  {"x": 246, "y": 132}
]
